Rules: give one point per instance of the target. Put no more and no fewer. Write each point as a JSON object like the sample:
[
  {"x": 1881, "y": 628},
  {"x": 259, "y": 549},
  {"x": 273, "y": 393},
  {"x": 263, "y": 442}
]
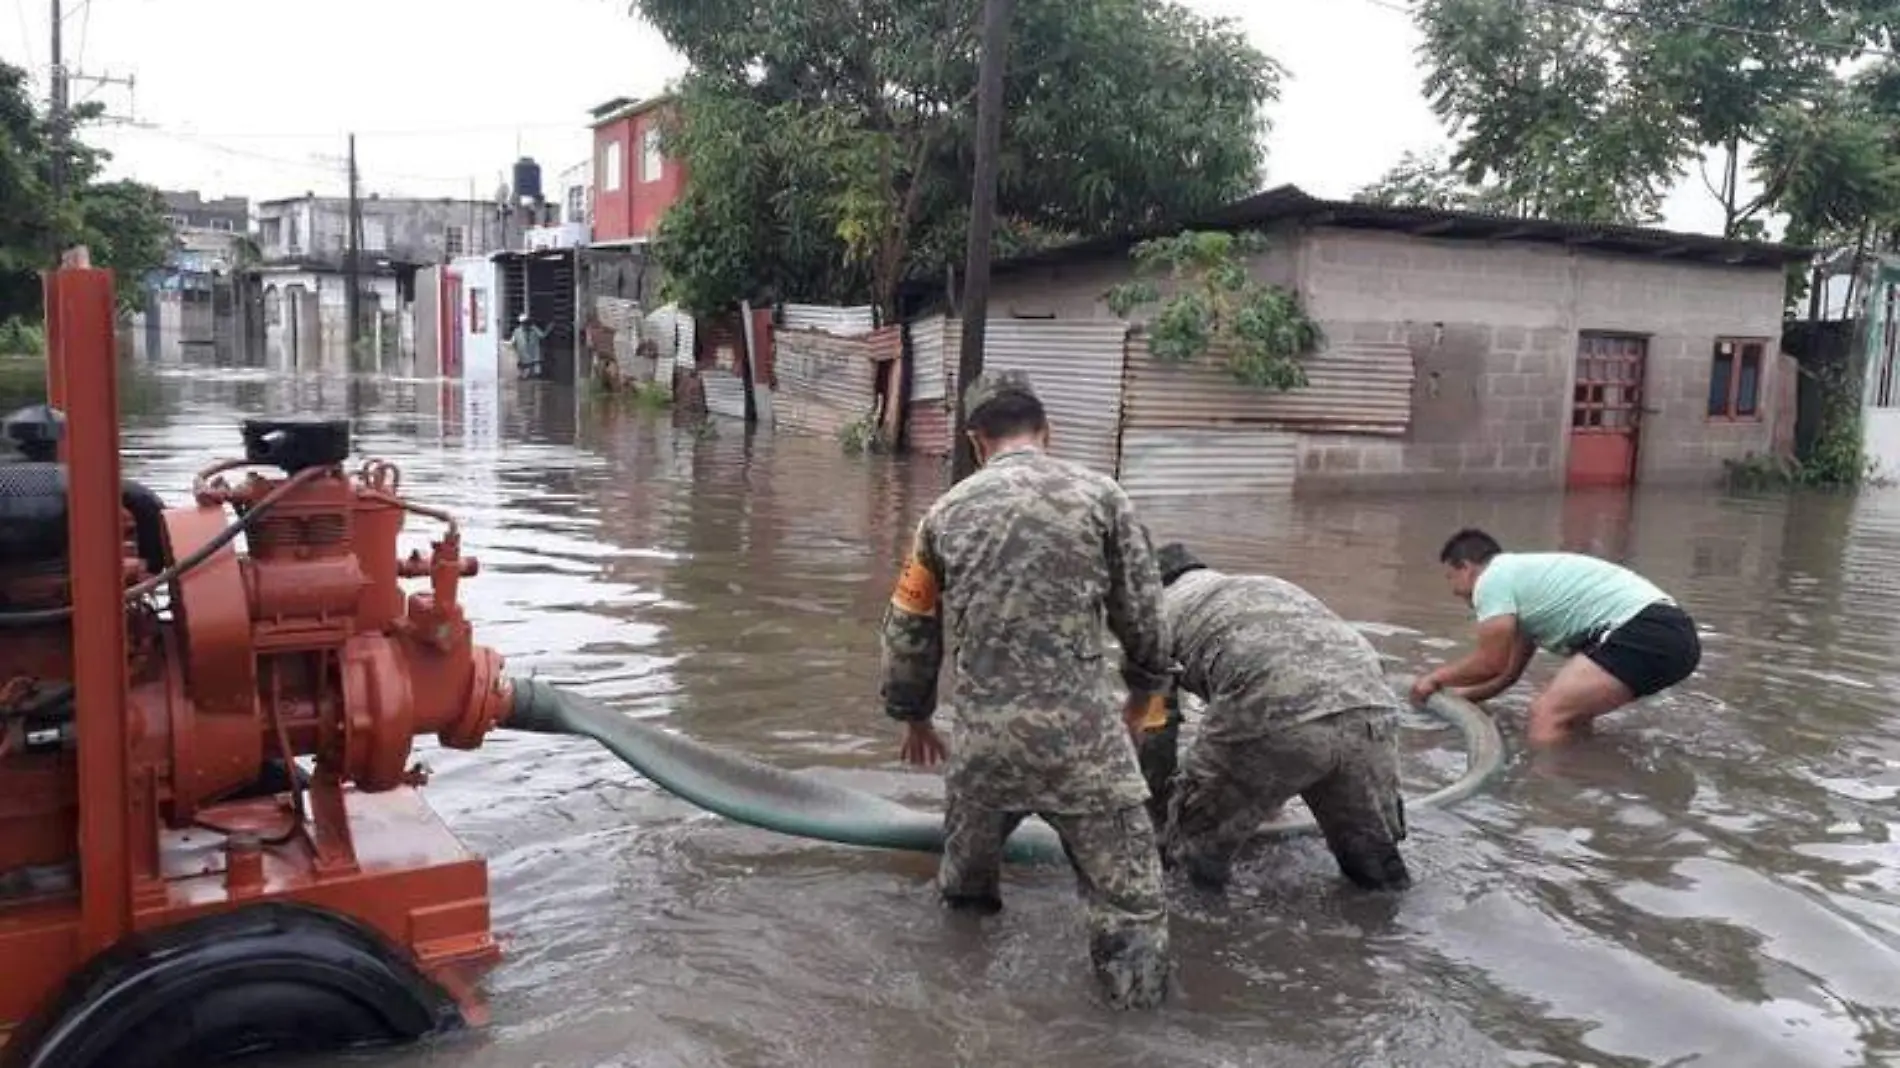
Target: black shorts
[{"x": 1655, "y": 650}]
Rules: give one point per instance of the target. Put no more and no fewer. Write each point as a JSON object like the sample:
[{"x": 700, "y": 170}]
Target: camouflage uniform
[
  {"x": 1297, "y": 704},
  {"x": 1031, "y": 555}
]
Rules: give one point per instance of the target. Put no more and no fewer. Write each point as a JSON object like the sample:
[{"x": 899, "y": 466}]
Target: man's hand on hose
[
  {"x": 1424, "y": 687},
  {"x": 923, "y": 746}
]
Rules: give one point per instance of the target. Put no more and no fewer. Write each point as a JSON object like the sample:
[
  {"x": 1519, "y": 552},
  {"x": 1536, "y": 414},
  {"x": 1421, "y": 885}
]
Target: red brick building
[{"x": 634, "y": 182}]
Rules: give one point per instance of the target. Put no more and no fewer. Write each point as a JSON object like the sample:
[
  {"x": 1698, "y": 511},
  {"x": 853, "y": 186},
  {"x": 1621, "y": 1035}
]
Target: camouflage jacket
[
  {"x": 1015, "y": 570},
  {"x": 1264, "y": 653}
]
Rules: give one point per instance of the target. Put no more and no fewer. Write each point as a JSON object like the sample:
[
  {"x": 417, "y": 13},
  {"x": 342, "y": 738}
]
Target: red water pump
[{"x": 174, "y": 881}]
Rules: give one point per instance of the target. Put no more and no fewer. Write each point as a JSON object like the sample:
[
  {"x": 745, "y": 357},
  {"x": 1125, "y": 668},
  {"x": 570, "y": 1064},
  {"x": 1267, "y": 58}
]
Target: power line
[
  {"x": 1679, "y": 22},
  {"x": 26, "y": 34},
  {"x": 436, "y": 131},
  {"x": 85, "y": 31},
  {"x": 300, "y": 164},
  {"x": 1689, "y": 21}
]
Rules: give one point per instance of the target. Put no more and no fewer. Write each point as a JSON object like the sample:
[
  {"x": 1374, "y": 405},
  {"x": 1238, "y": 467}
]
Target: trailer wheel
[{"x": 264, "y": 978}]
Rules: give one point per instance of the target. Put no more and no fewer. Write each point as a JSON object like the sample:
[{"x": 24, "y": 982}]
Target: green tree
[
  {"x": 1208, "y": 302},
  {"x": 123, "y": 222},
  {"x": 1428, "y": 180},
  {"x": 830, "y": 144},
  {"x": 1593, "y": 111}
]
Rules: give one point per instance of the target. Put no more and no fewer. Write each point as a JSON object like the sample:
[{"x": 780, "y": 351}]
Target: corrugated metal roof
[
  {"x": 822, "y": 386},
  {"x": 846, "y": 322},
  {"x": 1076, "y": 367},
  {"x": 1209, "y": 462},
  {"x": 725, "y": 393},
  {"x": 1356, "y": 387},
  {"x": 930, "y": 357},
  {"x": 1291, "y": 204}
]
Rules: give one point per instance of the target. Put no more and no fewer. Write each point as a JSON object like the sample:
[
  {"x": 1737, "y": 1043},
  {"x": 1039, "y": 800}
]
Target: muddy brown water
[{"x": 1711, "y": 880}]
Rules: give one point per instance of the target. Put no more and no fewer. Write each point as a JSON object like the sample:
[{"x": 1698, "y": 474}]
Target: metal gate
[{"x": 1606, "y": 409}]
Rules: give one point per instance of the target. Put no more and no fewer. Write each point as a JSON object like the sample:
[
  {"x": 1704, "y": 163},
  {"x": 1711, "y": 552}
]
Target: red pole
[{"x": 79, "y": 316}]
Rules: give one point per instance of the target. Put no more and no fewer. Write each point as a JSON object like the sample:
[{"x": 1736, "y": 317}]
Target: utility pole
[
  {"x": 56, "y": 74},
  {"x": 351, "y": 270},
  {"x": 976, "y": 268}
]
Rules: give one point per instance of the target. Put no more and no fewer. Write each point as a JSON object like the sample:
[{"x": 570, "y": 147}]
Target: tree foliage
[
  {"x": 1211, "y": 303},
  {"x": 830, "y": 144},
  {"x": 122, "y": 222},
  {"x": 1430, "y": 181},
  {"x": 1592, "y": 111}
]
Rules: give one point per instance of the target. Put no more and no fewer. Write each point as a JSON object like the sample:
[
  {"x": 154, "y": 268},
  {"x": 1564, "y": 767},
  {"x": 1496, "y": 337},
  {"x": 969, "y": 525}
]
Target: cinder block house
[{"x": 1462, "y": 350}]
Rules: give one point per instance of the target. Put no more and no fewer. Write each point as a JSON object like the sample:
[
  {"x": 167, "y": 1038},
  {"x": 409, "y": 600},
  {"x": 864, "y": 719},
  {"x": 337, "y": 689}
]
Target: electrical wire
[
  {"x": 304, "y": 164},
  {"x": 1589, "y": 7},
  {"x": 26, "y": 35},
  {"x": 85, "y": 31}
]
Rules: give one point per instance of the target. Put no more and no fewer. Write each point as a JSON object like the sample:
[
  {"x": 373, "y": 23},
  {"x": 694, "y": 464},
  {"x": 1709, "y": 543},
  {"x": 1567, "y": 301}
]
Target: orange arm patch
[
  {"x": 1155, "y": 717},
  {"x": 917, "y": 590}
]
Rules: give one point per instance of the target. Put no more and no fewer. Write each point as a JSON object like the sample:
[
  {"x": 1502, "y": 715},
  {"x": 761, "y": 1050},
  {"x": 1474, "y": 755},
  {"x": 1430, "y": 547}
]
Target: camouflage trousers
[
  {"x": 1117, "y": 871},
  {"x": 1346, "y": 768}
]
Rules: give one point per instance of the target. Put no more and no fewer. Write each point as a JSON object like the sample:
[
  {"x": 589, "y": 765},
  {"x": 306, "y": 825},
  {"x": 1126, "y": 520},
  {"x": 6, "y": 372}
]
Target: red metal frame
[
  {"x": 81, "y": 349},
  {"x": 171, "y": 717},
  {"x": 1606, "y": 410}
]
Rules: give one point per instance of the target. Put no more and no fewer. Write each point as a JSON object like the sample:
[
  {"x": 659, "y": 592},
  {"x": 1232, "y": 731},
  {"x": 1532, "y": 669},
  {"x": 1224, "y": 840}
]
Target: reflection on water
[{"x": 1712, "y": 879}]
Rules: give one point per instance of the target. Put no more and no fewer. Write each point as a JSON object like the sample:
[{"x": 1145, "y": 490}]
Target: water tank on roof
[{"x": 527, "y": 180}]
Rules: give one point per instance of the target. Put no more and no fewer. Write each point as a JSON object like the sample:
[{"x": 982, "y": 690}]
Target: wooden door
[{"x": 1606, "y": 410}]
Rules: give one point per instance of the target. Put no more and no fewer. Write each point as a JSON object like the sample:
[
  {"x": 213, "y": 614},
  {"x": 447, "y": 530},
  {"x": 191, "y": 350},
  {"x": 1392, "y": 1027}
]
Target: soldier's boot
[
  {"x": 970, "y": 873},
  {"x": 978, "y": 904},
  {"x": 1377, "y": 868},
  {"x": 1206, "y": 870},
  {"x": 1362, "y": 813},
  {"x": 1133, "y": 968}
]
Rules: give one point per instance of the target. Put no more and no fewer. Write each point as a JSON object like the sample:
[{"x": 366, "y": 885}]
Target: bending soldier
[
  {"x": 1015, "y": 570},
  {"x": 1297, "y": 704}
]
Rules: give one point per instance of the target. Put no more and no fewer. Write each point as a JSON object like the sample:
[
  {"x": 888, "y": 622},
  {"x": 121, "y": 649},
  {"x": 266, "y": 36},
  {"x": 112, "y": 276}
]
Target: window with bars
[
  {"x": 1608, "y": 395},
  {"x": 454, "y": 241},
  {"x": 1735, "y": 373}
]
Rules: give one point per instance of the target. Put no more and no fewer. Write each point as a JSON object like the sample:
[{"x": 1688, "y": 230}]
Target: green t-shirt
[{"x": 1562, "y": 598}]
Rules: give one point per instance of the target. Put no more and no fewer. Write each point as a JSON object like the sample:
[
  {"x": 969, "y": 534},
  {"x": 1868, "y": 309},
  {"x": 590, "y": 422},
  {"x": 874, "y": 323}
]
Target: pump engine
[{"x": 238, "y": 665}]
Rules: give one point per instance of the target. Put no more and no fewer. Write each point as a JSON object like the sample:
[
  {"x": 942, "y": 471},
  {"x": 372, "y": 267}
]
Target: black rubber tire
[{"x": 266, "y": 978}]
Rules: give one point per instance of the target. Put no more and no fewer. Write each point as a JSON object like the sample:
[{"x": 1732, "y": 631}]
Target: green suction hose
[{"x": 805, "y": 806}]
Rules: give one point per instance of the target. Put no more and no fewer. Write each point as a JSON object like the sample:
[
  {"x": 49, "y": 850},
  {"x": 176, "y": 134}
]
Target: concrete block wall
[
  {"x": 1076, "y": 291},
  {"x": 1494, "y": 329}
]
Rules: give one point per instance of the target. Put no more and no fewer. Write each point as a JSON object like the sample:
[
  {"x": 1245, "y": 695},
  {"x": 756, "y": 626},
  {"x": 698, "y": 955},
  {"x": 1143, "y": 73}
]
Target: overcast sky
[{"x": 444, "y": 94}]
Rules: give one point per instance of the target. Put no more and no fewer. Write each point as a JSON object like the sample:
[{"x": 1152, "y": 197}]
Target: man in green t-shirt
[{"x": 1624, "y": 638}]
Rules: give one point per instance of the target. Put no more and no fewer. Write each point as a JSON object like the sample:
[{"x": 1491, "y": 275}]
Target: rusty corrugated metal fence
[
  {"x": 931, "y": 358},
  {"x": 1209, "y": 462},
  {"x": 930, "y": 420},
  {"x": 845, "y": 322},
  {"x": 1076, "y": 367},
  {"x": 1352, "y": 388},
  {"x": 823, "y": 386}
]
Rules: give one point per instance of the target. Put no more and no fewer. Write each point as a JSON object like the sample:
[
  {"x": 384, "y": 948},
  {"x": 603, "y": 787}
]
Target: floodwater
[{"x": 1711, "y": 880}]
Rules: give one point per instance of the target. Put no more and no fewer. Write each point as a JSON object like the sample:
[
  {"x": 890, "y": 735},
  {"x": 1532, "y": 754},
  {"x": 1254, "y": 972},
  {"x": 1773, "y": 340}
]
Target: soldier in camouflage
[
  {"x": 1014, "y": 571},
  {"x": 1297, "y": 704}
]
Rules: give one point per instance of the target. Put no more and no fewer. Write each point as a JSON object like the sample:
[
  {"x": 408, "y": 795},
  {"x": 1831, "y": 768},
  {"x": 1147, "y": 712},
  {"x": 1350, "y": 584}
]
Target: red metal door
[{"x": 1606, "y": 410}]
